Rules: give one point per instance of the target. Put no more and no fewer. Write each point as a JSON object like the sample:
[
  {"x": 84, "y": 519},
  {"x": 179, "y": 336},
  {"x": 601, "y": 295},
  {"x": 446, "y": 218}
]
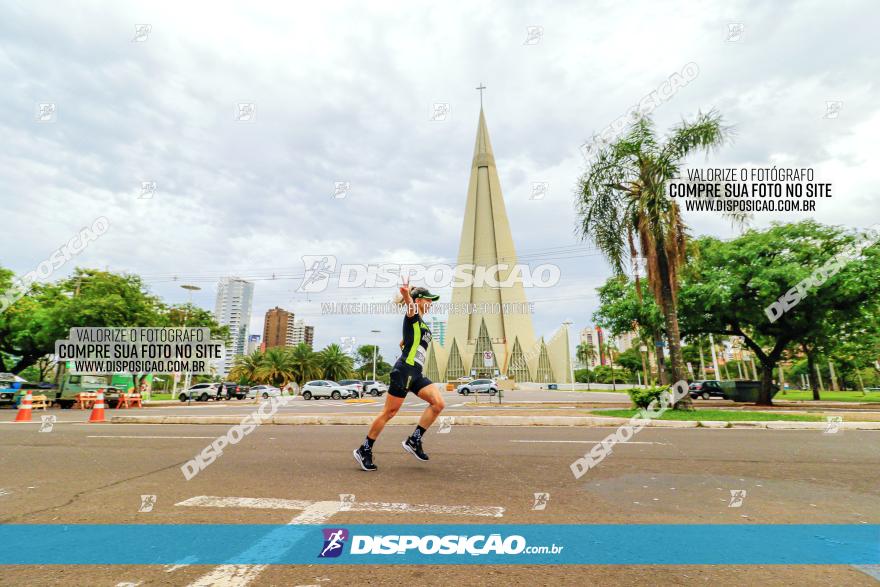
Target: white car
[
  {"x": 263, "y": 391},
  {"x": 201, "y": 392},
  {"x": 478, "y": 386},
  {"x": 374, "y": 388},
  {"x": 328, "y": 389}
]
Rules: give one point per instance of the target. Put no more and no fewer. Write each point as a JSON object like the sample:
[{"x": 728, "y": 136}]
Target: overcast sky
[{"x": 343, "y": 92}]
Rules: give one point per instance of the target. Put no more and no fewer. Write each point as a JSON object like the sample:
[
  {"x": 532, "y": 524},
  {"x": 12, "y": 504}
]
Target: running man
[{"x": 407, "y": 376}]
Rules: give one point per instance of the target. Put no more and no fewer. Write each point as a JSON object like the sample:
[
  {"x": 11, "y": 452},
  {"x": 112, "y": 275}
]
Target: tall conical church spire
[
  {"x": 487, "y": 244},
  {"x": 495, "y": 330}
]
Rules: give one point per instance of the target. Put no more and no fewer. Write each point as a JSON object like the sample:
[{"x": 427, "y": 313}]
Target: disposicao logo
[{"x": 334, "y": 541}]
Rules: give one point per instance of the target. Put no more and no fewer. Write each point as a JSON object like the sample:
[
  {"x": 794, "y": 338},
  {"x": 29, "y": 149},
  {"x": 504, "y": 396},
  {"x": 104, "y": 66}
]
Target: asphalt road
[{"x": 81, "y": 473}]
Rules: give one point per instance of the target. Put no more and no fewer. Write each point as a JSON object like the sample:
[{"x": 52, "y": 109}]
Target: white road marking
[
  {"x": 240, "y": 575},
  {"x": 870, "y": 570},
  {"x": 582, "y": 441},
  {"x": 313, "y": 512},
  {"x": 295, "y": 504},
  {"x": 266, "y": 503},
  {"x": 456, "y": 405},
  {"x": 184, "y": 562},
  {"x": 135, "y": 436}
]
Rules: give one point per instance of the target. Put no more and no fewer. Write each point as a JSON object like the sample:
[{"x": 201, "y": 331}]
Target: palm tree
[
  {"x": 305, "y": 363},
  {"x": 276, "y": 367},
  {"x": 584, "y": 353},
  {"x": 334, "y": 363},
  {"x": 624, "y": 209},
  {"x": 245, "y": 367}
]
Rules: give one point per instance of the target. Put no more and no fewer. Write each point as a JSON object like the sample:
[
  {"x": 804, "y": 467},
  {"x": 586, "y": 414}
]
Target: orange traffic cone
[
  {"x": 24, "y": 410},
  {"x": 98, "y": 409}
]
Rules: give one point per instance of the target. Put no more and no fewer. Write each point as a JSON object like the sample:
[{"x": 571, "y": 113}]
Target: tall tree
[
  {"x": 306, "y": 363},
  {"x": 622, "y": 309},
  {"x": 730, "y": 286},
  {"x": 276, "y": 367},
  {"x": 624, "y": 210},
  {"x": 335, "y": 364},
  {"x": 585, "y": 352},
  {"x": 245, "y": 368},
  {"x": 30, "y": 326}
]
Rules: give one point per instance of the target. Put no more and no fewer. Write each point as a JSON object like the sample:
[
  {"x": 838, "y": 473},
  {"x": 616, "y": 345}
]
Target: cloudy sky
[{"x": 344, "y": 91}]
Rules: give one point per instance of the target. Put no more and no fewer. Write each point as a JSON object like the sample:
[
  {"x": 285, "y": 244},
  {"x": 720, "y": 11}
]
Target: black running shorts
[{"x": 406, "y": 378}]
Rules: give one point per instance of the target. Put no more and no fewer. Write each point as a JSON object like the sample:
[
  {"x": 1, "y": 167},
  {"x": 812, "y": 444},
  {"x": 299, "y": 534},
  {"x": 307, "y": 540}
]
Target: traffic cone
[
  {"x": 24, "y": 410},
  {"x": 98, "y": 409}
]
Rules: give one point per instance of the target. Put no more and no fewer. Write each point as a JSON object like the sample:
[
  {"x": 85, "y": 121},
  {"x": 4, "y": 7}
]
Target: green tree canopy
[{"x": 728, "y": 287}]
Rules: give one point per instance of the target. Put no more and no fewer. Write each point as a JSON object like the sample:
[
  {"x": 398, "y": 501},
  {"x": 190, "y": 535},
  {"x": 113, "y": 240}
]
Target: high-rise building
[
  {"x": 303, "y": 333},
  {"x": 235, "y": 299},
  {"x": 438, "y": 329},
  {"x": 253, "y": 343},
  {"x": 278, "y": 328},
  {"x": 501, "y": 339},
  {"x": 591, "y": 336},
  {"x": 627, "y": 340}
]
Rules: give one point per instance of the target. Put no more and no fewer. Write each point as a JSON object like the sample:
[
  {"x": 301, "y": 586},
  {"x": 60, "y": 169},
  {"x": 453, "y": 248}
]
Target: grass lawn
[
  {"x": 158, "y": 396},
  {"x": 830, "y": 396},
  {"x": 717, "y": 415}
]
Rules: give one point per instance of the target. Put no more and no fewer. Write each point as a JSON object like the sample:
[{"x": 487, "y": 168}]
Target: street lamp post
[
  {"x": 568, "y": 323},
  {"x": 190, "y": 289},
  {"x": 374, "y": 354}
]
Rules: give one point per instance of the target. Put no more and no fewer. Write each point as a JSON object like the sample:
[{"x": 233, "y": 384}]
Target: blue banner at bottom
[{"x": 643, "y": 544}]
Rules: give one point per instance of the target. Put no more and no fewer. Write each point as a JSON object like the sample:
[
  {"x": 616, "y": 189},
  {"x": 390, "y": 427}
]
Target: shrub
[{"x": 642, "y": 398}]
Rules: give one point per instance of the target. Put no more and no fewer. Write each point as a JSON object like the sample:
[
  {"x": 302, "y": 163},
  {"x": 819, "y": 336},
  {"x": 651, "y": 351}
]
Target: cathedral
[{"x": 493, "y": 342}]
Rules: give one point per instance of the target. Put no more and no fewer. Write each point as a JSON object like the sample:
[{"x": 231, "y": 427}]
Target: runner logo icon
[{"x": 334, "y": 541}]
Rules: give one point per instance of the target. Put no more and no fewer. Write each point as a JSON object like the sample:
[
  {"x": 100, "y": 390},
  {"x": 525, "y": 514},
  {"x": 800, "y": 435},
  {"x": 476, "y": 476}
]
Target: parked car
[
  {"x": 233, "y": 390},
  {"x": 201, "y": 392},
  {"x": 706, "y": 389},
  {"x": 329, "y": 389},
  {"x": 263, "y": 391},
  {"x": 478, "y": 386},
  {"x": 374, "y": 388},
  {"x": 355, "y": 384}
]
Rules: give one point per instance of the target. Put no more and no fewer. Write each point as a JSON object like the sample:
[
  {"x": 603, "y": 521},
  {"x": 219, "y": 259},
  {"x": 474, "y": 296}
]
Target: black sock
[
  {"x": 368, "y": 443},
  {"x": 417, "y": 434}
]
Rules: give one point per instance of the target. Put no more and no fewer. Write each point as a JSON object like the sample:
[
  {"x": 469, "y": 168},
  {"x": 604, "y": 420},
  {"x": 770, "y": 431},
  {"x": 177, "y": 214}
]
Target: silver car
[
  {"x": 478, "y": 386},
  {"x": 326, "y": 389},
  {"x": 201, "y": 392},
  {"x": 374, "y": 388},
  {"x": 263, "y": 391}
]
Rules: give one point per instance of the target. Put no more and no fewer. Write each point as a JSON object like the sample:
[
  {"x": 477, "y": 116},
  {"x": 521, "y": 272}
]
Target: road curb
[{"x": 582, "y": 421}]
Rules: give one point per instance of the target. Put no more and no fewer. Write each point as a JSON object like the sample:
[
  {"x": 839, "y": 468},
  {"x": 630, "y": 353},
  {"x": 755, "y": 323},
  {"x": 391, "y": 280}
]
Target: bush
[{"x": 642, "y": 398}]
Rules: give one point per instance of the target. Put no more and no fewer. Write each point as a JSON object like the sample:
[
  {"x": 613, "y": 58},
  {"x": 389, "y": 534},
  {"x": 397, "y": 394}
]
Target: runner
[{"x": 407, "y": 376}]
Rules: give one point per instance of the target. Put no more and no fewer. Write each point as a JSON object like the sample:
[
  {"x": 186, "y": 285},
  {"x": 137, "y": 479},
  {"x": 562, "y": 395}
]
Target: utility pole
[
  {"x": 190, "y": 289},
  {"x": 643, "y": 350},
  {"x": 568, "y": 323},
  {"x": 714, "y": 357},
  {"x": 374, "y": 353},
  {"x": 834, "y": 384},
  {"x": 702, "y": 362}
]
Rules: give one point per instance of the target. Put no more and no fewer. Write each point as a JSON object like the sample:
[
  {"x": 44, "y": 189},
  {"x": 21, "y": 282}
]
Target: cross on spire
[{"x": 481, "y": 87}]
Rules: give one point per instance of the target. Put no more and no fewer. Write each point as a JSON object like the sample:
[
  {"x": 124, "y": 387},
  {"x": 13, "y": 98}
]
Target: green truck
[{"x": 71, "y": 384}]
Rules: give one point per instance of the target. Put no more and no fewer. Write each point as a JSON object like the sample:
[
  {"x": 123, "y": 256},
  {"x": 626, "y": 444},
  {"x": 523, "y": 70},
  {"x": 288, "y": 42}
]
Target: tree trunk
[
  {"x": 811, "y": 369},
  {"x": 673, "y": 337},
  {"x": 670, "y": 316},
  {"x": 765, "y": 397}
]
